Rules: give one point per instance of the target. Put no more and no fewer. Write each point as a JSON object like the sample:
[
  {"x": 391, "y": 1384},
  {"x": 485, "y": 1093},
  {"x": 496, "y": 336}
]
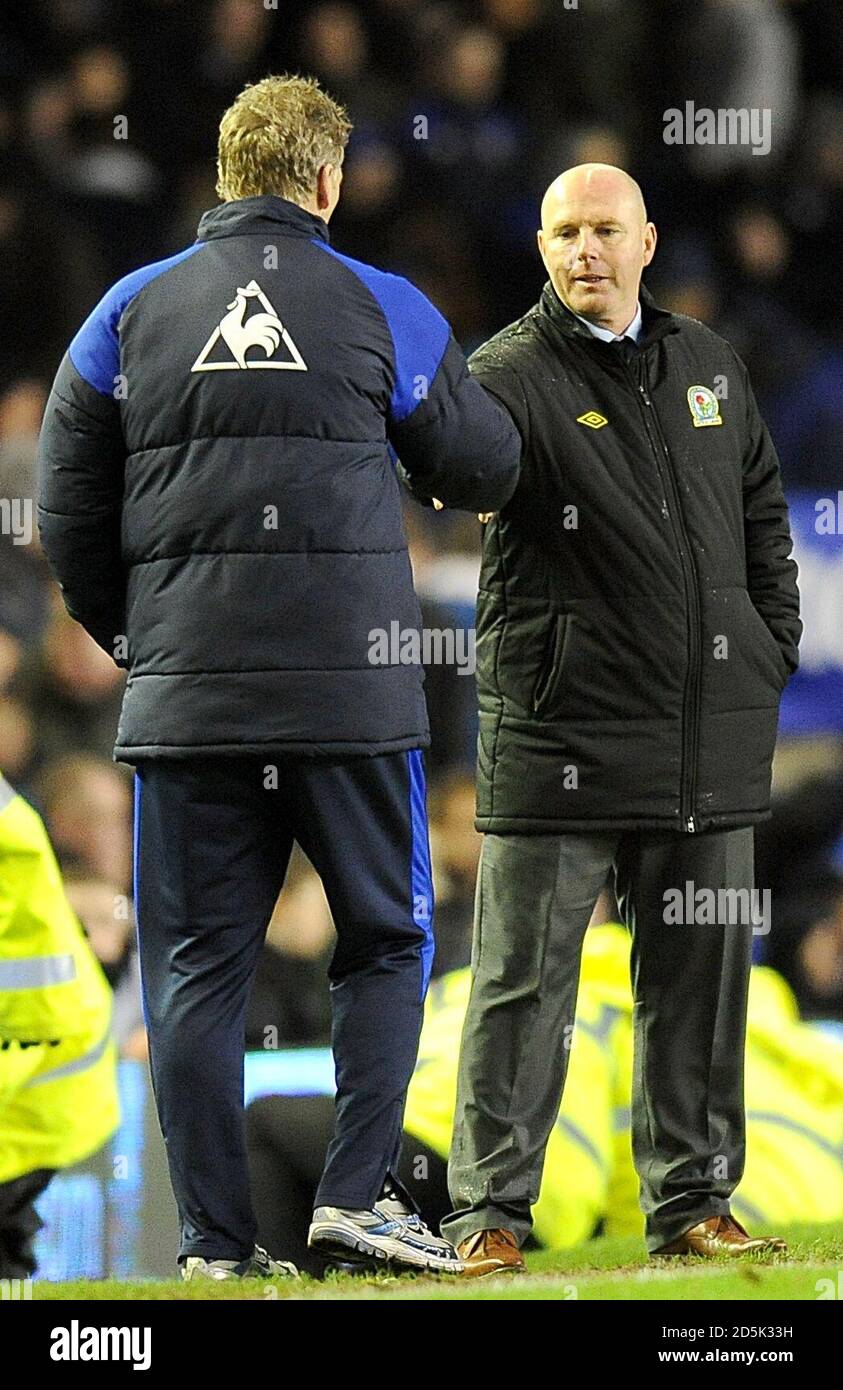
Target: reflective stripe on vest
[
  {"x": 7, "y": 793},
  {"x": 88, "y": 1059},
  {"x": 33, "y": 972}
]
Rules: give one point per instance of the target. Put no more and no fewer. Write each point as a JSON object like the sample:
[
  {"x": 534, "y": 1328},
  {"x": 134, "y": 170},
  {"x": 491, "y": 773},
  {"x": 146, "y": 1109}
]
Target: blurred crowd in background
[{"x": 511, "y": 92}]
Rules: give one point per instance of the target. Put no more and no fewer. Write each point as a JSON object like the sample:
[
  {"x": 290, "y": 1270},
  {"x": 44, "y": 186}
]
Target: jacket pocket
[
  {"x": 547, "y": 681},
  {"x": 772, "y": 645}
]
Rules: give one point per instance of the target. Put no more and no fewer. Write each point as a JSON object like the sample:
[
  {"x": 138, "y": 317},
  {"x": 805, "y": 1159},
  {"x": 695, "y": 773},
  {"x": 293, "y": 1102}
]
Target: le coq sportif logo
[{"x": 250, "y": 341}]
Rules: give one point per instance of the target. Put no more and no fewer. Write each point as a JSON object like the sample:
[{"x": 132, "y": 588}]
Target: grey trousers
[{"x": 535, "y": 895}]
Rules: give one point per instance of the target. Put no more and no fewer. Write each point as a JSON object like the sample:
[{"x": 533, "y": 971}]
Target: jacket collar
[
  {"x": 267, "y": 214},
  {"x": 656, "y": 322}
]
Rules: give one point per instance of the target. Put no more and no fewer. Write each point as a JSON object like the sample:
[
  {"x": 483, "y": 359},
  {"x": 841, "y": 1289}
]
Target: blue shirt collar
[{"x": 606, "y": 334}]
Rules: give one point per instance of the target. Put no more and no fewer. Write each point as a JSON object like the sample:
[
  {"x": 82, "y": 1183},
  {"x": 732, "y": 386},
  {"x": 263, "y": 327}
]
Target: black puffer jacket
[
  {"x": 218, "y": 496},
  {"x": 638, "y": 613}
]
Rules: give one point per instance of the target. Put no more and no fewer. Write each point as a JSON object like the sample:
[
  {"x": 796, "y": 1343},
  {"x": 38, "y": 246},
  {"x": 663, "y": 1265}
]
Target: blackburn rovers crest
[{"x": 704, "y": 406}]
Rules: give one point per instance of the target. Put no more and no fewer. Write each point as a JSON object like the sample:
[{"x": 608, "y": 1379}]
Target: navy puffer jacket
[{"x": 218, "y": 492}]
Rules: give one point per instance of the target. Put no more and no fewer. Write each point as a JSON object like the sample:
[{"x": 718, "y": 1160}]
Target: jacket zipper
[{"x": 691, "y": 701}]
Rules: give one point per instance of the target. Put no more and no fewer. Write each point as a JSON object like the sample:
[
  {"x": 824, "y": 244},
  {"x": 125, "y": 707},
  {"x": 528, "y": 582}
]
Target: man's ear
[
  {"x": 650, "y": 239},
  {"x": 323, "y": 186}
]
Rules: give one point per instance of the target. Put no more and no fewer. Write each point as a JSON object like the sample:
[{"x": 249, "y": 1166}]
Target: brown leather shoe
[
  {"x": 490, "y": 1252},
  {"x": 719, "y": 1235}
]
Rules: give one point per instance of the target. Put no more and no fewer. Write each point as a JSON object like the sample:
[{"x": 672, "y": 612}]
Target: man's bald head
[
  {"x": 595, "y": 241},
  {"x": 615, "y": 186}
]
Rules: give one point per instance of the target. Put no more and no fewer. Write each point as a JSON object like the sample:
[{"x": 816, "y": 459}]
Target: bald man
[{"x": 638, "y": 618}]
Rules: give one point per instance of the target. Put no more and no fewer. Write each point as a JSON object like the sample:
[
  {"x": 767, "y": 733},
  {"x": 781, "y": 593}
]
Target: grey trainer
[
  {"x": 390, "y": 1234},
  {"x": 257, "y": 1266}
]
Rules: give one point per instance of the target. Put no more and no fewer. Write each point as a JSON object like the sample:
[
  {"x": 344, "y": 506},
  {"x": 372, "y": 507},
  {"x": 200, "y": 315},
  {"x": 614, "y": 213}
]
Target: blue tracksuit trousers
[{"x": 213, "y": 839}]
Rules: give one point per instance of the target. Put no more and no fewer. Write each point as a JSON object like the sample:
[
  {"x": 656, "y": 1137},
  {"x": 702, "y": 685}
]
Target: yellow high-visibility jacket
[
  {"x": 58, "y": 1063},
  {"x": 794, "y": 1099}
]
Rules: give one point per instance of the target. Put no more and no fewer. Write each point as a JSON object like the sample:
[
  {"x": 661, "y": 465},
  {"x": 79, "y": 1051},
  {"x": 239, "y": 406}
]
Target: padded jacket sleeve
[
  {"x": 453, "y": 440},
  {"x": 81, "y": 459}
]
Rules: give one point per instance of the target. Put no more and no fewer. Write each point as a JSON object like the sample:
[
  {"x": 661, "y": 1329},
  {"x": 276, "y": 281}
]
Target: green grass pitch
[{"x": 601, "y": 1269}]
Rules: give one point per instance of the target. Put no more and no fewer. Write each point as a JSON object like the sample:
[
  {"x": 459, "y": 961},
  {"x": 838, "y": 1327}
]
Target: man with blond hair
[
  {"x": 219, "y": 502},
  {"x": 637, "y": 621}
]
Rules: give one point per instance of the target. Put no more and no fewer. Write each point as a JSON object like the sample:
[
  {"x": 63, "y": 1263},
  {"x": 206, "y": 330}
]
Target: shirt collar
[
  {"x": 656, "y": 322},
  {"x": 606, "y": 334}
]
